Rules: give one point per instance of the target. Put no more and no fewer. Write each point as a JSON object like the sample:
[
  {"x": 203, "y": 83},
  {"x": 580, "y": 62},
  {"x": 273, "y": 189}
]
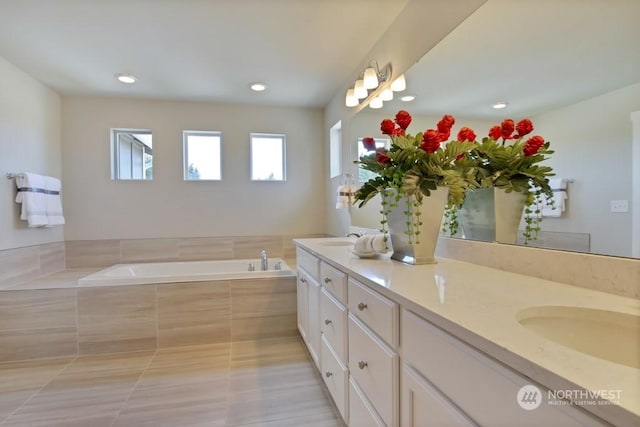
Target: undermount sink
[
  {"x": 607, "y": 335},
  {"x": 337, "y": 243}
]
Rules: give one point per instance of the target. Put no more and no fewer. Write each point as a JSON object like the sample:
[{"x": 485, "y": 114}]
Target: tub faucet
[{"x": 264, "y": 260}]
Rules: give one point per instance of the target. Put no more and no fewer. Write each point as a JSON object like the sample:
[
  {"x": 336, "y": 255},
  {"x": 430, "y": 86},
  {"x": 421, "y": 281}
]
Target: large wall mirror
[{"x": 573, "y": 68}]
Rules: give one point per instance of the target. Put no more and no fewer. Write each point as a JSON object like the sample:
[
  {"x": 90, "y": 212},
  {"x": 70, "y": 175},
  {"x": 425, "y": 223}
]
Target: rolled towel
[
  {"x": 342, "y": 201},
  {"x": 364, "y": 244},
  {"x": 378, "y": 243}
]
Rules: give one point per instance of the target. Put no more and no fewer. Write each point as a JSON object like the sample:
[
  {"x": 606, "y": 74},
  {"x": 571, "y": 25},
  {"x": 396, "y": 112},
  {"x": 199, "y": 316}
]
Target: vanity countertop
[{"x": 480, "y": 305}]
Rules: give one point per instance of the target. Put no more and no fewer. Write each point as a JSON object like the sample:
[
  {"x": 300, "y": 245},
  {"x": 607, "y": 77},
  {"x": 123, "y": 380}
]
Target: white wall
[
  {"x": 98, "y": 208},
  {"x": 592, "y": 140},
  {"x": 29, "y": 142}
]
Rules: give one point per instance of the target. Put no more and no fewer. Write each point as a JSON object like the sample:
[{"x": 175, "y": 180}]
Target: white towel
[
  {"x": 40, "y": 198},
  {"x": 555, "y": 209},
  {"x": 364, "y": 244},
  {"x": 345, "y": 195}
]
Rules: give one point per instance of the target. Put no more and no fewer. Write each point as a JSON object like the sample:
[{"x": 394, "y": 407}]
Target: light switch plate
[{"x": 619, "y": 206}]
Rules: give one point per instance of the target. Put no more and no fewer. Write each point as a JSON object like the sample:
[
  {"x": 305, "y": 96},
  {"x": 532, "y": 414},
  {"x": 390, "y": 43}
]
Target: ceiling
[
  {"x": 535, "y": 54},
  {"x": 204, "y": 50}
]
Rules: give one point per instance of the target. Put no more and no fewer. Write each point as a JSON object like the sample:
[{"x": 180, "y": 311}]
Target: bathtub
[{"x": 191, "y": 271}]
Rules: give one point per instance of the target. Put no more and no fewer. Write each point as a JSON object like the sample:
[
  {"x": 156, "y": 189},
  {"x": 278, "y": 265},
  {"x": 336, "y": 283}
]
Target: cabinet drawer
[
  {"x": 361, "y": 413},
  {"x": 335, "y": 376},
  {"x": 308, "y": 263},
  {"x": 374, "y": 366},
  {"x": 379, "y": 313},
  {"x": 334, "y": 280},
  {"x": 333, "y": 323},
  {"x": 476, "y": 382}
]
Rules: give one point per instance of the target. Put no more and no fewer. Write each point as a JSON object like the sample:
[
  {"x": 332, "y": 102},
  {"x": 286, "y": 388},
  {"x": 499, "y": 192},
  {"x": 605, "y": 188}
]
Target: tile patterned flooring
[{"x": 266, "y": 383}]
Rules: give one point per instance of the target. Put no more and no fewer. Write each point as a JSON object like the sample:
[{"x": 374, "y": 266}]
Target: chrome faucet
[{"x": 264, "y": 260}]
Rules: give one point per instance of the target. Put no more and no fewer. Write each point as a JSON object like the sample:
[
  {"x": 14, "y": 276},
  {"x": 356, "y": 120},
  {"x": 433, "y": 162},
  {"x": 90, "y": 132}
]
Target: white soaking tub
[{"x": 191, "y": 271}]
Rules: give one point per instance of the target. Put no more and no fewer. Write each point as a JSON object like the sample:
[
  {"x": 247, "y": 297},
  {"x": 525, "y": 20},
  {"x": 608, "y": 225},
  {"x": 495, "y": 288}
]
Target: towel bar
[{"x": 11, "y": 175}]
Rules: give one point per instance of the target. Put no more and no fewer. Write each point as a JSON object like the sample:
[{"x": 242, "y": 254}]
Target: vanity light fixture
[
  {"x": 126, "y": 78},
  {"x": 407, "y": 98},
  {"x": 500, "y": 105},
  {"x": 257, "y": 86},
  {"x": 373, "y": 86}
]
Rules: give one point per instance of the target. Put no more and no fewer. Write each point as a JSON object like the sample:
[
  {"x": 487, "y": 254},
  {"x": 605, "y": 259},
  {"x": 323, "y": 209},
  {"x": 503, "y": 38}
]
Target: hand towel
[
  {"x": 40, "y": 199},
  {"x": 343, "y": 201},
  {"x": 378, "y": 244},
  {"x": 364, "y": 244},
  {"x": 555, "y": 210}
]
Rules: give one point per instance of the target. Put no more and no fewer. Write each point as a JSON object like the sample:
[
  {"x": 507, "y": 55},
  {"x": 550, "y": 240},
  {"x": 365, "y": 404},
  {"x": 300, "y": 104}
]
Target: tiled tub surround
[
  {"x": 21, "y": 266},
  {"x": 480, "y": 306},
  {"x": 71, "y": 320}
]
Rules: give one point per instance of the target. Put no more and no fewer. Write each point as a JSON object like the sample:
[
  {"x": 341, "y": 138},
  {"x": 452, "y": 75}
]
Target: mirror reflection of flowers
[{"x": 415, "y": 165}]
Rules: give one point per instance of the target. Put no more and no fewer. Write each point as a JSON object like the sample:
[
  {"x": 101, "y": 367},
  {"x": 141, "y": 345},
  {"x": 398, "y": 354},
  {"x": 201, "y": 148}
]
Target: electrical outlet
[{"x": 619, "y": 206}]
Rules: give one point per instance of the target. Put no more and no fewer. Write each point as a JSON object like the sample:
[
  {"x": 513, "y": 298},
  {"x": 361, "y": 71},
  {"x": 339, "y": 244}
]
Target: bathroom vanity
[{"x": 455, "y": 343}]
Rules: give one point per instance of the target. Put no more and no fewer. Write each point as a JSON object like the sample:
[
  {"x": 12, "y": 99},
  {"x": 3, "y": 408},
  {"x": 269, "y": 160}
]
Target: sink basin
[
  {"x": 337, "y": 243},
  {"x": 608, "y": 335}
]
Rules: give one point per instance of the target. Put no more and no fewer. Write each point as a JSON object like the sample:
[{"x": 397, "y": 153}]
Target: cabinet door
[
  {"x": 361, "y": 412},
  {"x": 303, "y": 305},
  {"x": 422, "y": 405},
  {"x": 313, "y": 327}
]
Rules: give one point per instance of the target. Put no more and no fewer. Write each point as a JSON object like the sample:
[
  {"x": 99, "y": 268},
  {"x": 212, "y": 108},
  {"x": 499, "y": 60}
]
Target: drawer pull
[
  {"x": 303, "y": 280},
  {"x": 362, "y": 306},
  {"x": 327, "y": 321},
  {"x": 328, "y": 374},
  {"x": 327, "y": 280},
  {"x": 362, "y": 364}
]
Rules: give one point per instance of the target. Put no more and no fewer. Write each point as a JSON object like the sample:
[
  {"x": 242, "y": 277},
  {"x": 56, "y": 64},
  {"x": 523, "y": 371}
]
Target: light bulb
[
  {"x": 370, "y": 78},
  {"x": 359, "y": 90},
  {"x": 351, "y": 100},
  {"x": 376, "y": 103},
  {"x": 399, "y": 84}
]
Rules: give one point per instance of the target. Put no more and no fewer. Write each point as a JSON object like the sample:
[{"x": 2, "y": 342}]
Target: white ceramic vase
[{"x": 431, "y": 210}]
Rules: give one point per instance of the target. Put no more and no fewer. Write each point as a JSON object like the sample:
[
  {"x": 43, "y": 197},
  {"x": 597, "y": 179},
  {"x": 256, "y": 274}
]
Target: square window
[
  {"x": 131, "y": 154},
  {"x": 202, "y": 155},
  {"x": 267, "y": 157}
]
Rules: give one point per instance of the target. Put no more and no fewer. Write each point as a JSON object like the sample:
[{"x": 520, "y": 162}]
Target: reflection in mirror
[
  {"x": 131, "y": 154},
  {"x": 561, "y": 77}
]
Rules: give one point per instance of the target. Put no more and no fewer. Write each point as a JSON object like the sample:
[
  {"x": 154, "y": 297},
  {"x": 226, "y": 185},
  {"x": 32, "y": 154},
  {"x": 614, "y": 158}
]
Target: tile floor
[{"x": 269, "y": 383}]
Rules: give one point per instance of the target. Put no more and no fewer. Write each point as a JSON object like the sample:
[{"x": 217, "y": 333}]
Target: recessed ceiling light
[
  {"x": 126, "y": 78},
  {"x": 258, "y": 87},
  {"x": 407, "y": 98},
  {"x": 500, "y": 105}
]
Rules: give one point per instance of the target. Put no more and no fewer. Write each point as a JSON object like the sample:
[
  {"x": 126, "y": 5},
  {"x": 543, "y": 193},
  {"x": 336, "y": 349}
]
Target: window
[
  {"x": 267, "y": 157},
  {"x": 132, "y": 154},
  {"x": 365, "y": 175},
  {"x": 202, "y": 155},
  {"x": 335, "y": 150}
]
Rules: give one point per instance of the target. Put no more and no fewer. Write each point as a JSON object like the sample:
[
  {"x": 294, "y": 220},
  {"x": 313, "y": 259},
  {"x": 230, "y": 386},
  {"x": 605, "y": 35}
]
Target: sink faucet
[
  {"x": 264, "y": 261},
  {"x": 354, "y": 234}
]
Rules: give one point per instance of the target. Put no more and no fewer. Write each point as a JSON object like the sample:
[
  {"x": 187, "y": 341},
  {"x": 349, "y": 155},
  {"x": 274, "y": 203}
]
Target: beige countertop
[{"x": 480, "y": 305}]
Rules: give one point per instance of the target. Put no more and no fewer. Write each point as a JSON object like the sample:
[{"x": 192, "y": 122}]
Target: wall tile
[
  {"x": 206, "y": 248},
  {"x": 263, "y": 297},
  {"x": 92, "y": 253},
  {"x": 52, "y": 257},
  {"x": 116, "y": 319},
  {"x": 38, "y": 309},
  {"x": 19, "y": 264},
  {"x": 256, "y": 328},
  {"x": 250, "y": 247},
  {"x": 37, "y": 343},
  {"x": 149, "y": 250},
  {"x": 193, "y": 313}
]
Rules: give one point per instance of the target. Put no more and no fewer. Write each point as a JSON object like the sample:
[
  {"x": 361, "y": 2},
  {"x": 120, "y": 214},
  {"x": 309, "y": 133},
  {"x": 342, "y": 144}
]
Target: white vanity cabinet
[
  {"x": 447, "y": 382},
  {"x": 308, "y": 300}
]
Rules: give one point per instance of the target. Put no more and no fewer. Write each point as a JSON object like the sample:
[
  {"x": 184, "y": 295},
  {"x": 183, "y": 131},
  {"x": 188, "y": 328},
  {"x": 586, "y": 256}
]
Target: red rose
[
  {"x": 381, "y": 156},
  {"x": 443, "y": 136},
  {"x": 507, "y": 127},
  {"x": 388, "y": 127},
  {"x": 532, "y": 145},
  {"x": 369, "y": 143},
  {"x": 403, "y": 119},
  {"x": 495, "y": 132},
  {"x": 398, "y": 132},
  {"x": 524, "y": 127},
  {"x": 466, "y": 134},
  {"x": 446, "y": 123},
  {"x": 430, "y": 141}
]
